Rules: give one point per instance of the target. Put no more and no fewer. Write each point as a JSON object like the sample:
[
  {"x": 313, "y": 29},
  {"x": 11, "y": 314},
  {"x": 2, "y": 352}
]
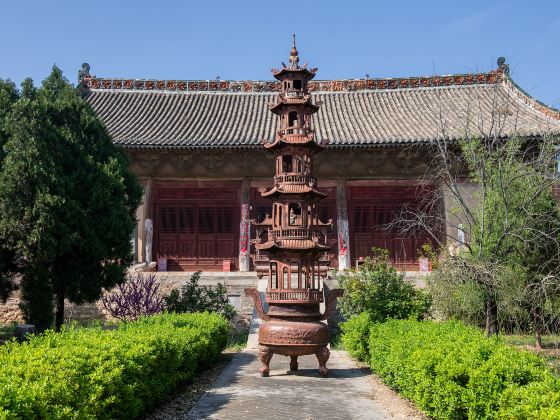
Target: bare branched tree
[{"x": 488, "y": 207}]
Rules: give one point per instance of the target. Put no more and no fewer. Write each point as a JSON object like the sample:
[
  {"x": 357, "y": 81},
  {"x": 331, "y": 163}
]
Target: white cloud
[{"x": 470, "y": 22}]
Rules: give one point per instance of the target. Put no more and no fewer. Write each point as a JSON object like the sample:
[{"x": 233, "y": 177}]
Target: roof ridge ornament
[
  {"x": 502, "y": 66},
  {"x": 294, "y": 56},
  {"x": 84, "y": 72}
]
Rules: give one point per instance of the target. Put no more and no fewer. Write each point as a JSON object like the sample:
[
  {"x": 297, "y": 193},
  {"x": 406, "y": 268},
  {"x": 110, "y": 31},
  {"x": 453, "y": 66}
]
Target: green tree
[
  {"x": 515, "y": 223},
  {"x": 500, "y": 196},
  {"x": 539, "y": 263},
  {"x": 8, "y": 97},
  {"x": 67, "y": 200}
]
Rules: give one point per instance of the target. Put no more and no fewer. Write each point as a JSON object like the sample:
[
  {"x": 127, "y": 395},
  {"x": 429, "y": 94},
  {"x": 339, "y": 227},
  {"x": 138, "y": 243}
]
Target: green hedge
[
  {"x": 94, "y": 373},
  {"x": 452, "y": 371},
  {"x": 355, "y": 336}
]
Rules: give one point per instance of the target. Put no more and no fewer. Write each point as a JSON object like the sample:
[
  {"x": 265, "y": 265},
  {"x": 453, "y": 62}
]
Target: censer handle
[
  {"x": 256, "y": 296},
  {"x": 331, "y": 302}
]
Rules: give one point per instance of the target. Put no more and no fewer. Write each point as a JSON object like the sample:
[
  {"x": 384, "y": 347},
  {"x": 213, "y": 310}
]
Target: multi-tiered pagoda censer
[{"x": 295, "y": 238}]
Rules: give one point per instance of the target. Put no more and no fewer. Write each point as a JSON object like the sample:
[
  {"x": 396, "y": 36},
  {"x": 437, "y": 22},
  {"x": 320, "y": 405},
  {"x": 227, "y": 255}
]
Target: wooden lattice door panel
[
  {"x": 186, "y": 241},
  {"x": 197, "y": 233},
  {"x": 168, "y": 249},
  {"x": 167, "y": 232},
  {"x": 370, "y": 211}
]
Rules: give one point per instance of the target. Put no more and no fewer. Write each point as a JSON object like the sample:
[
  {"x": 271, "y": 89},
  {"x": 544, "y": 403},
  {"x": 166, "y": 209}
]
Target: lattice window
[
  {"x": 187, "y": 220},
  {"x": 168, "y": 217},
  {"x": 224, "y": 220},
  {"x": 206, "y": 220}
]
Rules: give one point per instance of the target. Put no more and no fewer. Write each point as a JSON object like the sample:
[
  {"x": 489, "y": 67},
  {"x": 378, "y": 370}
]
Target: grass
[
  {"x": 237, "y": 341},
  {"x": 336, "y": 341},
  {"x": 549, "y": 341},
  {"x": 550, "y": 351}
]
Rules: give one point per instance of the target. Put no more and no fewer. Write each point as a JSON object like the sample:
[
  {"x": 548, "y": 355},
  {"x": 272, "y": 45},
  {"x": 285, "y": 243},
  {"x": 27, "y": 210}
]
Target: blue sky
[{"x": 168, "y": 39}]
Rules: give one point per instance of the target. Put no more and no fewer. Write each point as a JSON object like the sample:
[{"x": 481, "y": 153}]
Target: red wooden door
[
  {"x": 370, "y": 210},
  {"x": 197, "y": 230}
]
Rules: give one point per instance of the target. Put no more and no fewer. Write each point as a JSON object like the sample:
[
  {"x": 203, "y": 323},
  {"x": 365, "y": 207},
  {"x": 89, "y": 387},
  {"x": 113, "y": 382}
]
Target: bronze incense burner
[{"x": 294, "y": 238}]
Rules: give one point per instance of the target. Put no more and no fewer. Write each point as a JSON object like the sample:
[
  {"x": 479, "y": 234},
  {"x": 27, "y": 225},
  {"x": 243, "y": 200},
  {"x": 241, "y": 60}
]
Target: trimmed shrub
[
  {"x": 95, "y": 373},
  {"x": 355, "y": 336},
  {"x": 453, "y": 371}
]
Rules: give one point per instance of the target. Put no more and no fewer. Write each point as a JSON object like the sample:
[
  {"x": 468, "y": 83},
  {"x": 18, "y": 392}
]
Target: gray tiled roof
[{"x": 351, "y": 112}]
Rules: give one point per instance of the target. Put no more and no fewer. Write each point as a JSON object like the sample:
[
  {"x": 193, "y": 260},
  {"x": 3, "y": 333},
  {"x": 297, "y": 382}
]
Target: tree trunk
[
  {"x": 59, "y": 319},
  {"x": 535, "y": 318},
  {"x": 491, "y": 313}
]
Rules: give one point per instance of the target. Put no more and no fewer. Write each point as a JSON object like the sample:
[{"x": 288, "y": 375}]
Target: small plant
[
  {"x": 196, "y": 298},
  {"x": 137, "y": 296},
  {"x": 237, "y": 340},
  {"x": 377, "y": 288},
  {"x": 427, "y": 251}
]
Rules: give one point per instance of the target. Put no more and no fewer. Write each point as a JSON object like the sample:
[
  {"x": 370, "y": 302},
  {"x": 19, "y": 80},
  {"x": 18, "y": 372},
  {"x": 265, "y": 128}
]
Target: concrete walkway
[{"x": 240, "y": 393}]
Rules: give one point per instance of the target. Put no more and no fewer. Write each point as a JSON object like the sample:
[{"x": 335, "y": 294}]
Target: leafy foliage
[
  {"x": 499, "y": 213},
  {"x": 196, "y": 298},
  {"x": 355, "y": 336},
  {"x": 67, "y": 198},
  {"x": 94, "y": 373},
  {"x": 428, "y": 251},
  {"x": 453, "y": 371},
  {"x": 7, "y": 272},
  {"x": 507, "y": 271},
  {"x": 526, "y": 296},
  {"x": 136, "y": 297},
  {"x": 377, "y": 288},
  {"x": 8, "y": 97}
]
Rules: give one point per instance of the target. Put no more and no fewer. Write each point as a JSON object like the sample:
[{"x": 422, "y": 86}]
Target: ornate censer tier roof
[
  {"x": 287, "y": 188},
  {"x": 285, "y": 102},
  {"x": 304, "y": 141},
  {"x": 292, "y": 244},
  {"x": 365, "y": 112}
]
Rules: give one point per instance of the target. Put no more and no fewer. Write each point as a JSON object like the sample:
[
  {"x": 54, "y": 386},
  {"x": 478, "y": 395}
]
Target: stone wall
[
  {"x": 9, "y": 311},
  {"x": 90, "y": 312}
]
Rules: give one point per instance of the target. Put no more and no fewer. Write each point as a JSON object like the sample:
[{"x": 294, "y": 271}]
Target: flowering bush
[{"x": 137, "y": 296}]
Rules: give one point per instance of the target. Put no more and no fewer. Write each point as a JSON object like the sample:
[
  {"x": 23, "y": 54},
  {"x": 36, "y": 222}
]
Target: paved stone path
[{"x": 240, "y": 393}]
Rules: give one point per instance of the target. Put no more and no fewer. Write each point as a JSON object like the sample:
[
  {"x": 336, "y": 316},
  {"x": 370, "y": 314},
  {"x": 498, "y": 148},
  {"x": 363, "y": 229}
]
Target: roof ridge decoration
[
  {"x": 340, "y": 85},
  {"x": 522, "y": 95},
  {"x": 86, "y": 82}
]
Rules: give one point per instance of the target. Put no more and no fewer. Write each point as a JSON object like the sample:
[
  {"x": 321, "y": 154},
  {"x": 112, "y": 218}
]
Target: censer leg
[
  {"x": 293, "y": 363},
  {"x": 265, "y": 354},
  {"x": 323, "y": 356}
]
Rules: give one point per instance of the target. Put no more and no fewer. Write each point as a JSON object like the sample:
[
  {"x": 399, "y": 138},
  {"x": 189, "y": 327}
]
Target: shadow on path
[{"x": 240, "y": 392}]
